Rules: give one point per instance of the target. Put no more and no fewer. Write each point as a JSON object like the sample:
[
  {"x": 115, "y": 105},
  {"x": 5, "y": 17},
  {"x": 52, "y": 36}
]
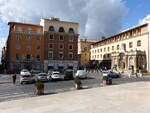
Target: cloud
[
  {"x": 2, "y": 44},
  {"x": 95, "y": 17},
  {"x": 145, "y": 20}
]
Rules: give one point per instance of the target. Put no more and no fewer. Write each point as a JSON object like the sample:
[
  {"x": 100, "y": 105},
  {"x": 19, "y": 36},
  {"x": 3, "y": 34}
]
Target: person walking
[{"x": 14, "y": 78}]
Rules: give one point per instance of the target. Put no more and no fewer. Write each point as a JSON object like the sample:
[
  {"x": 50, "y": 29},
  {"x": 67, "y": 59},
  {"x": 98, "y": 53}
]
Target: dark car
[
  {"x": 112, "y": 74},
  {"x": 68, "y": 75}
]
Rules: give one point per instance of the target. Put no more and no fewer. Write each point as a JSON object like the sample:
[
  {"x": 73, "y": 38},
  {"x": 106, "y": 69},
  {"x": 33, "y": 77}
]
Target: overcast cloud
[
  {"x": 145, "y": 20},
  {"x": 96, "y": 17}
]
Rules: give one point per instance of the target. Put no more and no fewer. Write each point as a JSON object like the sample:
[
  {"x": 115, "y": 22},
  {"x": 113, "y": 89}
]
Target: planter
[
  {"x": 39, "y": 88},
  {"x": 78, "y": 86},
  {"x": 107, "y": 81},
  {"x": 40, "y": 91}
]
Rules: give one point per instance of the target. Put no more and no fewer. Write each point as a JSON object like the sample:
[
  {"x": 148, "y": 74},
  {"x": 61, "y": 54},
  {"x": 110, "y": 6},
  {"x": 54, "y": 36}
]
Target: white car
[
  {"x": 26, "y": 79},
  {"x": 81, "y": 74},
  {"x": 55, "y": 75},
  {"x": 25, "y": 72},
  {"x": 105, "y": 73}
]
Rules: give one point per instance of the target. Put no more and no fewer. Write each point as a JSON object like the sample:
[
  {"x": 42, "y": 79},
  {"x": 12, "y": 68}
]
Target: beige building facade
[
  {"x": 60, "y": 45},
  {"x": 125, "y": 51},
  {"x": 84, "y": 46}
]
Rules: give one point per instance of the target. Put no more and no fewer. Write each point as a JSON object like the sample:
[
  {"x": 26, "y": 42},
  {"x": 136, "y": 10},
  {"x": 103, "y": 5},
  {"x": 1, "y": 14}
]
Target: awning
[{"x": 50, "y": 64}]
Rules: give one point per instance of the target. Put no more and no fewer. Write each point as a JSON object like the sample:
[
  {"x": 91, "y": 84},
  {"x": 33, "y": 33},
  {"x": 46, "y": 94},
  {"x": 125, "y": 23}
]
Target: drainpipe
[{"x": 148, "y": 53}]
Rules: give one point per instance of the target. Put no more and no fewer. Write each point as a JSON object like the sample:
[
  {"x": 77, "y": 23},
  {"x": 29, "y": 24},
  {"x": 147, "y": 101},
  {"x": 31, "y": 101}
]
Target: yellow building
[
  {"x": 84, "y": 47},
  {"x": 125, "y": 51}
]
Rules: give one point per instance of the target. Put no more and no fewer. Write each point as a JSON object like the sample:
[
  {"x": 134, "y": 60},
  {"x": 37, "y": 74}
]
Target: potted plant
[
  {"x": 107, "y": 80},
  {"x": 39, "y": 88},
  {"x": 78, "y": 84}
]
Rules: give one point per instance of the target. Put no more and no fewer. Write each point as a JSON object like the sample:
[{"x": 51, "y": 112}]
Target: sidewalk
[{"x": 124, "y": 98}]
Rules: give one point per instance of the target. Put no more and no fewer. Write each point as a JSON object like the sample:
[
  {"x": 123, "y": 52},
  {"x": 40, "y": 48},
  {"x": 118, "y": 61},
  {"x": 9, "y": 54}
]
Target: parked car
[
  {"x": 68, "y": 74},
  {"x": 81, "y": 74},
  {"x": 105, "y": 73},
  {"x": 27, "y": 79},
  {"x": 35, "y": 71},
  {"x": 41, "y": 77},
  {"x": 112, "y": 74},
  {"x": 55, "y": 75},
  {"x": 25, "y": 72}
]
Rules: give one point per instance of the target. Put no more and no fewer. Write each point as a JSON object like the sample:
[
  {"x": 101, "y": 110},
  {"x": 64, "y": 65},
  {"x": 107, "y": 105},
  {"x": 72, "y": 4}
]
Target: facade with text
[{"x": 125, "y": 51}]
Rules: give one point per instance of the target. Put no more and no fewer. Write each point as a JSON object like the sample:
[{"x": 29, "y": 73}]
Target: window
[
  {"x": 50, "y": 55},
  {"x": 71, "y": 39},
  {"x": 139, "y": 43},
  {"x": 130, "y": 44},
  {"x": 104, "y": 49},
  {"x": 70, "y": 55},
  {"x": 38, "y": 58},
  {"x": 28, "y": 57},
  {"x": 29, "y": 47},
  {"x": 29, "y": 38},
  {"x": 51, "y": 37},
  {"x": 50, "y": 46},
  {"x": 70, "y": 47},
  {"x": 18, "y": 37},
  {"x": 38, "y": 37},
  {"x": 39, "y": 31},
  {"x": 51, "y": 28},
  {"x": 71, "y": 30},
  {"x": 61, "y": 46},
  {"x": 19, "y": 28},
  {"x": 38, "y": 47},
  {"x": 124, "y": 47},
  {"x": 29, "y": 30},
  {"x": 61, "y": 29},
  {"x": 117, "y": 47},
  {"x": 17, "y": 56},
  {"x": 18, "y": 46},
  {"x": 108, "y": 48},
  {"x": 61, "y": 55},
  {"x": 112, "y": 47},
  {"x": 61, "y": 38}
]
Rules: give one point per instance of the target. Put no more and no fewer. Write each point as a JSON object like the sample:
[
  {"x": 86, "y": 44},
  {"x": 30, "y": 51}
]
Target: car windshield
[
  {"x": 25, "y": 70},
  {"x": 26, "y": 75},
  {"x": 55, "y": 72},
  {"x": 80, "y": 71},
  {"x": 42, "y": 75}
]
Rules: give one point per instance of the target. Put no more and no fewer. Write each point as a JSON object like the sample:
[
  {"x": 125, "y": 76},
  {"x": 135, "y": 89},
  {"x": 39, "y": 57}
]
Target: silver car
[
  {"x": 41, "y": 77},
  {"x": 81, "y": 74},
  {"x": 27, "y": 79}
]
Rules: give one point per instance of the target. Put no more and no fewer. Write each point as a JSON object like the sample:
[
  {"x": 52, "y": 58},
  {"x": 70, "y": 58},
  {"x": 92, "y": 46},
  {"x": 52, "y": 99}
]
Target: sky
[{"x": 96, "y": 18}]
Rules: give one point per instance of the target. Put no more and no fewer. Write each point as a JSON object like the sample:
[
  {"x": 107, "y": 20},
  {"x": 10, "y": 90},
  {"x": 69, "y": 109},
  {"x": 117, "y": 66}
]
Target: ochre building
[
  {"x": 125, "y": 51},
  {"x": 84, "y": 46},
  {"x": 25, "y": 47}
]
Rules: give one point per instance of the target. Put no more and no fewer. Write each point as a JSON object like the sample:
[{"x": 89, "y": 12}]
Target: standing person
[{"x": 14, "y": 78}]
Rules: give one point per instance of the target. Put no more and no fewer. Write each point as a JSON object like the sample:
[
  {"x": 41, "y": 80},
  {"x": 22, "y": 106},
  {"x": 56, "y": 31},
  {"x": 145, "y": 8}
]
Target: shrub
[
  {"x": 39, "y": 85},
  {"x": 77, "y": 81}
]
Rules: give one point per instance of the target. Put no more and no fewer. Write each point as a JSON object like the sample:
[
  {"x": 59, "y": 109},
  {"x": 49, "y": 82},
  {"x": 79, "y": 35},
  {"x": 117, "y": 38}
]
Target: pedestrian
[{"x": 14, "y": 78}]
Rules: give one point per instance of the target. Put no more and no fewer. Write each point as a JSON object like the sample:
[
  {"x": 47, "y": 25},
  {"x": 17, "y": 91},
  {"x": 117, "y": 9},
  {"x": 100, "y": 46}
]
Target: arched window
[
  {"x": 61, "y": 29},
  {"x": 51, "y": 28},
  {"x": 71, "y": 30}
]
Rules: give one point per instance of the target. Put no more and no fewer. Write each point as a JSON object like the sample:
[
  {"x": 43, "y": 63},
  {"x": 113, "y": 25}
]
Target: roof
[
  {"x": 57, "y": 20},
  {"x": 122, "y": 32},
  {"x": 24, "y": 24}
]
